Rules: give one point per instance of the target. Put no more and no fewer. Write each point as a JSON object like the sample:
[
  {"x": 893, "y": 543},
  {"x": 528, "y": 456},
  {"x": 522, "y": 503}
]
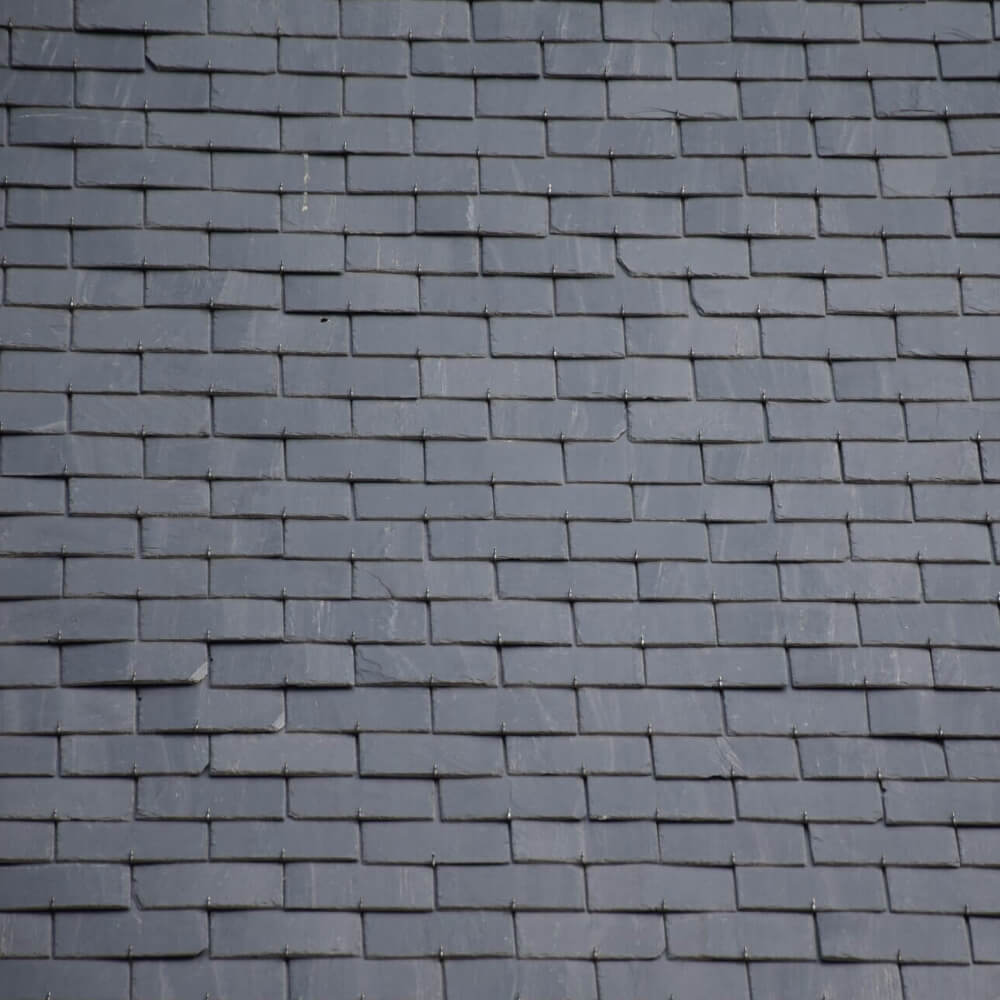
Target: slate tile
[
  {"x": 872, "y": 59},
  {"x": 452, "y": 336},
  {"x": 222, "y": 618},
  {"x": 287, "y": 171},
  {"x": 384, "y": 709},
  {"x": 890, "y": 137},
  {"x": 493, "y": 58},
  {"x": 574, "y": 754},
  {"x": 975, "y": 982},
  {"x": 288, "y": 578},
  {"x": 703, "y": 580},
  {"x": 625, "y": 461},
  {"x": 114, "y": 935},
  {"x": 349, "y": 886},
  {"x": 606, "y": 710},
  {"x": 795, "y": 501},
  {"x": 692, "y": 503},
  {"x": 624, "y": 137},
  {"x": 761, "y": 463},
  {"x": 820, "y": 888},
  {"x": 732, "y": 935},
  {"x": 26, "y": 935},
  {"x": 659, "y": 887},
  {"x": 203, "y": 796},
  {"x": 765, "y": 713},
  {"x": 977, "y": 845},
  {"x": 971, "y": 758},
  {"x": 232, "y": 458},
  {"x": 830, "y": 421},
  {"x": 31, "y": 577},
  {"x": 420, "y": 664},
  {"x": 579, "y": 936},
  {"x": 534, "y": 99},
  {"x": 632, "y": 216},
  {"x": 739, "y": 666},
  {"x": 858, "y": 758},
  {"x": 530, "y": 175},
  {"x": 347, "y": 798},
  {"x": 406, "y": 935},
  {"x": 27, "y": 976},
  {"x": 64, "y": 886},
  {"x": 984, "y": 933},
  {"x": 376, "y": 977},
  {"x": 267, "y": 840},
  {"x": 346, "y": 460},
  {"x": 944, "y": 624},
  {"x": 882, "y": 667},
  {"x": 340, "y": 620},
  {"x": 698, "y": 980},
  {"x": 494, "y": 294},
  {"x": 29, "y": 755},
  {"x": 955, "y": 713},
  {"x": 182, "y": 17},
  {"x": 724, "y": 756},
  {"x": 363, "y": 134},
  {"x": 787, "y": 542},
  {"x": 584, "y": 580},
  {"x": 435, "y": 579},
  {"x": 91, "y": 127},
  {"x": 249, "y": 934},
  {"x": 858, "y": 801},
  {"x": 606, "y": 502},
  {"x": 585, "y": 337},
  {"x": 749, "y": 843},
  {"x": 773, "y": 99},
  {"x": 199, "y": 707},
  {"x": 423, "y": 419},
  {"x": 931, "y": 462},
  {"x": 129, "y": 841},
  {"x": 894, "y": 217},
  {"x": 421, "y": 755},
  {"x": 29, "y": 710},
  {"x": 971, "y": 803},
  {"x": 695, "y": 176},
  {"x": 594, "y": 540},
  {"x": 859, "y": 257},
  {"x": 254, "y": 55},
  {"x": 663, "y": 624},
  {"x": 517, "y": 711},
  {"x": 253, "y": 979},
  {"x": 557, "y": 666},
  {"x": 944, "y": 890},
  {"x": 867, "y": 844},
  {"x": 519, "y": 622},
  {"x": 519, "y": 137},
  {"x": 431, "y": 842},
  {"x": 962, "y": 668},
  {"x": 29, "y": 666},
  {"x": 108, "y": 754},
  {"x": 839, "y": 981},
  {"x": 523, "y": 797},
  {"x": 280, "y": 665},
  {"x": 283, "y": 753},
  {"x": 931, "y": 542},
  {"x": 492, "y": 214},
  {"x": 620, "y": 798},
  {"x": 227, "y": 886},
  {"x": 526, "y": 887}
]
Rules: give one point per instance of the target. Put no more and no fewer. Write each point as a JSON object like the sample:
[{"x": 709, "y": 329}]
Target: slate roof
[{"x": 499, "y": 500}]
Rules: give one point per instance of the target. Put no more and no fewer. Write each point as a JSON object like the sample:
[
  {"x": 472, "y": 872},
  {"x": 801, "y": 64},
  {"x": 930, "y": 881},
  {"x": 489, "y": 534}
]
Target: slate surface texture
[{"x": 499, "y": 500}]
